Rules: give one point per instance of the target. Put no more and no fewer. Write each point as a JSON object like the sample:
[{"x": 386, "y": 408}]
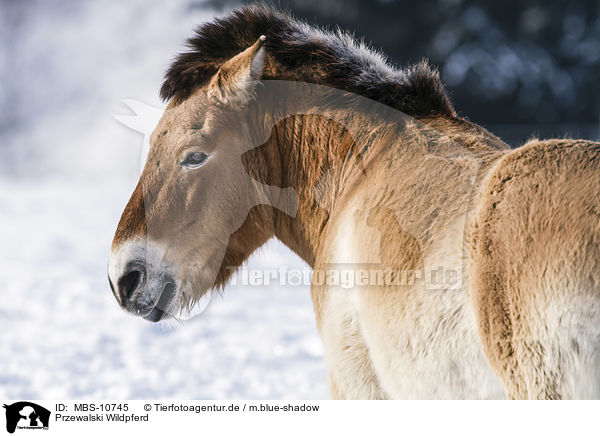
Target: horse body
[
  {"x": 398, "y": 341},
  {"x": 411, "y": 342},
  {"x": 536, "y": 270},
  {"x": 485, "y": 260}
]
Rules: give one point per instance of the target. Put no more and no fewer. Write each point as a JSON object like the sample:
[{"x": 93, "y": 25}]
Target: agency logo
[{"x": 26, "y": 415}]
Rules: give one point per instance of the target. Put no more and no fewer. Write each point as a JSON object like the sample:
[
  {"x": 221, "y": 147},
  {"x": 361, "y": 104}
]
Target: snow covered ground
[
  {"x": 67, "y": 169},
  {"x": 63, "y": 335}
]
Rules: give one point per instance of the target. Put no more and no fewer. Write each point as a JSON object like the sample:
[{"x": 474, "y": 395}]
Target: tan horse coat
[{"x": 513, "y": 236}]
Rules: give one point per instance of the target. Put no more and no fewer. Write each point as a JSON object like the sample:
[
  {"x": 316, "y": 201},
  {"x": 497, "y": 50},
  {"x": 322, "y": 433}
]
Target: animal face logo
[{"x": 26, "y": 415}]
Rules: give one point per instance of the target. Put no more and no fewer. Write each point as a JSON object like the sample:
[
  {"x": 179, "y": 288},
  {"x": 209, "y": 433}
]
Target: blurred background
[{"x": 519, "y": 68}]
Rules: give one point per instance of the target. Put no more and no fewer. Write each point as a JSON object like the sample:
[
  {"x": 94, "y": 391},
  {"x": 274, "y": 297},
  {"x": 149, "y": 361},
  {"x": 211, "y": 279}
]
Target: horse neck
[
  {"x": 305, "y": 152},
  {"x": 317, "y": 157}
]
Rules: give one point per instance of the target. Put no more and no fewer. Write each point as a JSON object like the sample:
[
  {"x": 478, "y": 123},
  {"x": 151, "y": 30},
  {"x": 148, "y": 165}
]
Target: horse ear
[{"x": 236, "y": 80}]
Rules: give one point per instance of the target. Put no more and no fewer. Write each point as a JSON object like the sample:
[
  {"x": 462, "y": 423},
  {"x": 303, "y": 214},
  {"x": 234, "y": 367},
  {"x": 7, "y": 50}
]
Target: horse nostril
[{"x": 128, "y": 283}]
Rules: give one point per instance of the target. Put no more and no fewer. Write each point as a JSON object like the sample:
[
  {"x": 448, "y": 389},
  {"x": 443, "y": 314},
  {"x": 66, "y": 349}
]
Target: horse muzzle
[{"x": 142, "y": 287}]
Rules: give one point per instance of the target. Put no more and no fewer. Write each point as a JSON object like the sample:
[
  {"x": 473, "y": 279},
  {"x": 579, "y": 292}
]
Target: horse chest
[
  {"x": 428, "y": 350},
  {"x": 418, "y": 343},
  {"x": 413, "y": 354}
]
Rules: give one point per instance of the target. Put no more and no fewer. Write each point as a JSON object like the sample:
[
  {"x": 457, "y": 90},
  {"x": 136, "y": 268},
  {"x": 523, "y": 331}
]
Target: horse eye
[{"x": 194, "y": 159}]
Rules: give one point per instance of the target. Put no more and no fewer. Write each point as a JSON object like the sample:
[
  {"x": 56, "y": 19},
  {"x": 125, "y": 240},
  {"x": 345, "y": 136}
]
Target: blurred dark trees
[{"x": 517, "y": 67}]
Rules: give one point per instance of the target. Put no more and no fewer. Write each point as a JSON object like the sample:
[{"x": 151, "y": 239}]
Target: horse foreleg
[{"x": 350, "y": 371}]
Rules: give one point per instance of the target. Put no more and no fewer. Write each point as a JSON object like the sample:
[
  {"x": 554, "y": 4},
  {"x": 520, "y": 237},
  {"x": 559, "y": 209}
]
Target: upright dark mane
[{"x": 299, "y": 52}]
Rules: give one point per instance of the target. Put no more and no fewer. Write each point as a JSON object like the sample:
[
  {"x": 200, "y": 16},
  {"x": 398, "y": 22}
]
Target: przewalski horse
[{"x": 278, "y": 129}]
